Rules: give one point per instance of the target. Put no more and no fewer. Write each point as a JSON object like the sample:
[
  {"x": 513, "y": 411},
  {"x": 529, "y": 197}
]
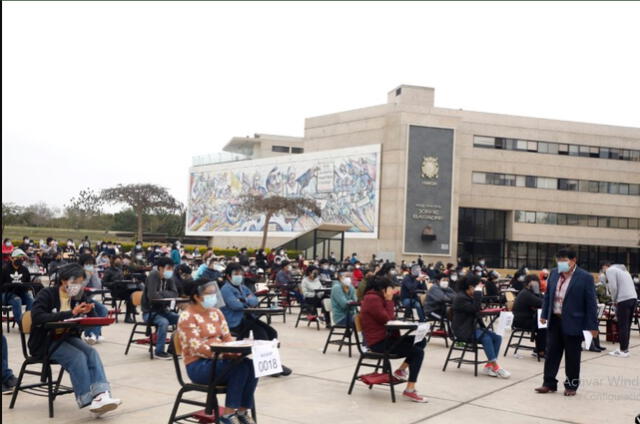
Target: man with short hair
[
  {"x": 570, "y": 308},
  {"x": 623, "y": 296},
  {"x": 16, "y": 284}
]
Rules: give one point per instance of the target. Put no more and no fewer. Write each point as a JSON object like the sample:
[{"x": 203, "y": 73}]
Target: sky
[{"x": 97, "y": 94}]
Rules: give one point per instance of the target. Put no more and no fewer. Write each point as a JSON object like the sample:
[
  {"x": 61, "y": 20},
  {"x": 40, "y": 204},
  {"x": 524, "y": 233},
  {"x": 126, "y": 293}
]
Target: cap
[{"x": 18, "y": 252}]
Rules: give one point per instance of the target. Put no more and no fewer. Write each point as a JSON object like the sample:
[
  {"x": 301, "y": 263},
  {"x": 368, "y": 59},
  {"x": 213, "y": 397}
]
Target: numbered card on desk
[
  {"x": 266, "y": 358},
  {"x": 421, "y": 332}
]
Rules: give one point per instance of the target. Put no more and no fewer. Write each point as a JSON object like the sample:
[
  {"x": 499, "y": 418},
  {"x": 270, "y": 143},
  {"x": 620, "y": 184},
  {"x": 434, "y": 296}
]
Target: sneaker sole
[
  {"x": 105, "y": 408},
  {"x": 415, "y": 400}
]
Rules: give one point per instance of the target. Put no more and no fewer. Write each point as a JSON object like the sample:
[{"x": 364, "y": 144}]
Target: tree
[
  {"x": 38, "y": 215},
  {"x": 273, "y": 205},
  {"x": 142, "y": 198},
  {"x": 83, "y": 208},
  {"x": 10, "y": 215}
]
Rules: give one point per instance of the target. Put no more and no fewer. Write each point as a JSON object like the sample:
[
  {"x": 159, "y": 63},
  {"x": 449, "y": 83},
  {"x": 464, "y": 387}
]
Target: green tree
[
  {"x": 142, "y": 198},
  {"x": 10, "y": 215},
  {"x": 83, "y": 208},
  {"x": 272, "y": 205}
]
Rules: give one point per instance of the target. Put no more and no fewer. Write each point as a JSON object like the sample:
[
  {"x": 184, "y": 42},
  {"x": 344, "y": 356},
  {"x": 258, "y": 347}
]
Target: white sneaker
[
  {"x": 91, "y": 340},
  {"x": 488, "y": 371},
  {"x": 101, "y": 339},
  {"x": 103, "y": 403},
  {"x": 617, "y": 353},
  {"x": 502, "y": 373}
]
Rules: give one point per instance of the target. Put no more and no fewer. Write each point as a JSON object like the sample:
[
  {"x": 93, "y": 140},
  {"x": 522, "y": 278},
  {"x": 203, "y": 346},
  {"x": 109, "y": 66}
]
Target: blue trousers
[
  {"x": 6, "y": 371},
  {"x": 84, "y": 366},
  {"x": 162, "y": 320},
  {"x": 101, "y": 311},
  {"x": 413, "y": 303},
  {"x": 490, "y": 343},
  {"x": 241, "y": 381},
  {"x": 16, "y": 300}
]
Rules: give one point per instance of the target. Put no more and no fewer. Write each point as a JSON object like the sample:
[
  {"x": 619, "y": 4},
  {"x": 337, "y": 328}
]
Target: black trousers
[
  {"x": 413, "y": 353},
  {"x": 261, "y": 330},
  {"x": 557, "y": 344},
  {"x": 541, "y": 339},
  {"x": 624, "y": 312}
]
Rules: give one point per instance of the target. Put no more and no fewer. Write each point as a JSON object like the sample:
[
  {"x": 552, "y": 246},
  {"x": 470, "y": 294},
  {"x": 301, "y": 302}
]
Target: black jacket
[
  {"x": 46, "y": 308},
  {"x": 525, "y": 308},
  {"x": 157, "y": 287},
  {"x": 465, "y": 315}
]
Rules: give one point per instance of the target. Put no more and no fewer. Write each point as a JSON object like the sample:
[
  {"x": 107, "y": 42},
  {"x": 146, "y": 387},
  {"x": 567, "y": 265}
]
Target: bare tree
[
  {"x": 273, "y": 205},
  {"x": 87, "y": 205},
  {"x": 142, "y": 198}
]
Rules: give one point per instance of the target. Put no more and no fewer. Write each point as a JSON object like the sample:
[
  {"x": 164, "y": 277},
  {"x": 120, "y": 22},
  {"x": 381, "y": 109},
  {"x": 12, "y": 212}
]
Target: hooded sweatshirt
[{"x": 620, "y": 283}]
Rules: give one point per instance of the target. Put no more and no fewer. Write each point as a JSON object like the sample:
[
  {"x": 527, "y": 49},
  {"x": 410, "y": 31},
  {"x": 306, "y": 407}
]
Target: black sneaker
[
  {"x": 286, "y": 371},
  {"x": 129, "y": 320},
  {"x": 11, "y": 381},
  {"x": 163, "y": 355},
  {"x": 6, "y": 390}
]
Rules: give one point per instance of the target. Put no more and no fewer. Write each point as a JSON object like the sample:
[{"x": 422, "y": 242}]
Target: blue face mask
[
  {"x": 88, "y": 268},
  {"x": 563, "y": 266},
  {"x": 236, "y": 280},
  {"x": 168, "y": 274},
  {"x": 209, "y": 301}
]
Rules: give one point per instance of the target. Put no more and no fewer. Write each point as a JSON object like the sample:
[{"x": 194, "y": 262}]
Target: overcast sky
[{"x": 96, "y": 94}]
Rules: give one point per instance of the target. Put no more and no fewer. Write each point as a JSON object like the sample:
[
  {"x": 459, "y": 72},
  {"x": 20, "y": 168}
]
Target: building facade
[{"x": 414, "y": 179}]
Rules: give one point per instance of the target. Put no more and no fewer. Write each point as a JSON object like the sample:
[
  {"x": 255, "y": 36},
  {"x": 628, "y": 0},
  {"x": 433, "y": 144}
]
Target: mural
[{"x": 345, "y": 184}]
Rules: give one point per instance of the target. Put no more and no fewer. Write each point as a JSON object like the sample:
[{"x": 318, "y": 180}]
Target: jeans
[
  {"x": 101, "y": 311},
  {"x": 624, "y": 311},
  {"x": 347, "y": 321},
  {"x": 6, "y": 371},
  {"x": 413, "y": 303},
  {"x": 84, "y": 366},
  {"x": 240, "y": 380},
  {"x": 413, "y": 353},
  {"x": 162, "y": 320},
  {"x": 16, "y": 300},
  {"x": 490, "y": 343}
]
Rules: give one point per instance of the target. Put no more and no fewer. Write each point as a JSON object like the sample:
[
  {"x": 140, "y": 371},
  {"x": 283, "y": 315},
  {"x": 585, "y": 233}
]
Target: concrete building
[{"x": 456, "y": 183}]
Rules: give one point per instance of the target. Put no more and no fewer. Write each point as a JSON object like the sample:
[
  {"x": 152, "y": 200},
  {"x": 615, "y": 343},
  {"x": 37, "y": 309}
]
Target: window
[
  {"x": 297, "y": 150},
  {"x": 623, "y": 223},
  {"x": 548, "y": 183},
  {"x": 584, "y": 151},
  {"x": 493, "y": 178},
  {"x": 566, "y": 184},
  {"x": 634, "y": 223},
  {"x": 594, "y": 152},
  {"x": 634, "y": 189},
  {"x": 520, "y": 180},
  {"x": 635, "y": 155},
  {"x": 563, "y": 149},
  {"x": 500, "y": 143},
  {"x": 613, "y": 222},
  {"x": 562, "y": 219},
  {"x": 604, "y": 187},
  {"x": 573, "y": 150},
  {"x": 604, "y": 152},
  {"x": 480, "y": 141},
  {"x": 519, "y": 216},
  {"x": 530, "y": 217},
  {"x": 532, "y": 146},
  {"x": 583, "y": 220},
  {"x": 546, "y": 218},
  {"x": 584, "y": 186},
  {"x": 593, "y": 221},
  {"x": 613, "y": 188},
  {"x": 572, "y": 219},
  {"x": 603, "y": 221},
  {"x": 531, "y": 181},
  {"x": 543, "y": 147},
  {"x": 479, "y": 178},
  {"x": 521, "y": 145},
  {"x": 623, "y": 188},
  {"x": 280, "y": 149},
  {"x": 615, "y": 154},
  {"x": 593, "y": 186},
  {"x": 553, "y": 148},
  {"x": 509, "y": 180}
]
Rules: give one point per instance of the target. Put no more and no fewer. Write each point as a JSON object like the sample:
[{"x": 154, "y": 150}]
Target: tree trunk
[
  {"x": 265, "y": 230},
  {"x": 139, "y": 216}
]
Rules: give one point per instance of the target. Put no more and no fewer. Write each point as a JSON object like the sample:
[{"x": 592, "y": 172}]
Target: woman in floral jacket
[{"x": 201, "y": 325}]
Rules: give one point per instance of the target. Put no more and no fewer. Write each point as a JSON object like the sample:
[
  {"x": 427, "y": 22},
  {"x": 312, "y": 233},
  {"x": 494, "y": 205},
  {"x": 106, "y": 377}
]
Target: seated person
[
  {"x": 16, "y": 284},
  {"x": 467, "y": 326},
  {"x": 325, "y": 273},
  {"x": 285, "y": 281},
  {"x": 201, "y": 325},
  {"x": 517, "y": 282},
  {"x": 88, "y": 263},
  {"x": 56, "y": 263},
  {"x": 7, "y": 250},
  {"x": 237, "y": 297},
  {"x": 160, "y": 285},
  {"x": 525, "y": 311},
  {"x": 9, "y": 380},
  {"x": 313, "y": 300},
  {"x": 181, "y": 276},
  {"x": 212, "y": 272},
  {"x": 411, "y": 283},
  {"x": 358, "y": 275},
  {"x": 491, "y": 289},
  {"x": 342, "y": 293},
  {"x": 82, "y": 362},
  {"x": 112, "y": 274},
  {"x": 377, "y": 308},
  {"x": 439, "y": 296}
]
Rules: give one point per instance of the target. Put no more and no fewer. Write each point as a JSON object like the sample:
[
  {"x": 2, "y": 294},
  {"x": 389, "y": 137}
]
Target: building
[{"x": 412, "y": 178}]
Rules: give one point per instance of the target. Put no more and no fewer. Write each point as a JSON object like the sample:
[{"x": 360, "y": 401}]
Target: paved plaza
[{"x": 316, "y": 392}]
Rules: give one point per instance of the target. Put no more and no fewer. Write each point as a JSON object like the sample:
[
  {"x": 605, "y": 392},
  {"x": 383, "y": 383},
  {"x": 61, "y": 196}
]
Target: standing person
[
  {"x": 623, "y": 296},
  {"x": 16, "y": 284},
  {"x": 569, "y": 308},
  {"x": 525, "y": 312},
  {"x": 160, "y": 285}
]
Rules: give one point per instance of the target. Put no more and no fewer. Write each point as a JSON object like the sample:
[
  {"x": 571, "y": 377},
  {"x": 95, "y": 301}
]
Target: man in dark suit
[{"x": 569, "y": 307}]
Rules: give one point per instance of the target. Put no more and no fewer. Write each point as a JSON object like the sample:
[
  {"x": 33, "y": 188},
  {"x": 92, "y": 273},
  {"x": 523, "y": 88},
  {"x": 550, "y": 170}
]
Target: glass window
[
  {"x": 566, "y": 184},
  {"x": 594, "y": 152},
  {"x": 613, "y": 188},
  {"x": 634, "y": 223},
  {"x": 510, "y": 143},
  {"x": 634, "y": 189},
  {"x": 573, "y": 149},
  {"x": 500, "y": 143},
  {"x": 531, "y": 181},
  {"x": 479, "y": 178},
  {"x": 532, "y": 146},
  {"x": 593, "y": 221},
  {"x": 626, "y": 154},
  {"x": 493, "y": 178},
  {"x": 613, "y": 222},
  {"x": 623, "y": 223},
  {"x": 604, "y": 152},
  {"x": 553, "y": 148},
  {"x": 548, "y": 218},
  {"x": 543, "y": 147},
  {"x": 509, "y": 180},
  {"x": 583, "y": 221},
  {"x": 584, "y": 185},
  {"x": 481, "y": 141},
  {"x": 615, "y": 154},
  {"x": 519, "y": 216},
  {"x": 297, "y": 150},
  {"x": 635, "y": 155},
  {"x": 562, "y": 219},
  {"x": 548, "y": 183},
  {"x": 572, "y": 219},
  {"x": 603, "y": 221},
  {"x": 563, "y": 149},
  {"x": 584, "y": 151},
  {"x": 593, "y": 186},
  {"x": 280, "y": 149},
  {"x": 604, "y": 186},
  {"x": 623, "y": 188},
  {"x": 520, "y": 180},
  {"x": 521, "y": 145},
  {"x": 530, "y": 217}
]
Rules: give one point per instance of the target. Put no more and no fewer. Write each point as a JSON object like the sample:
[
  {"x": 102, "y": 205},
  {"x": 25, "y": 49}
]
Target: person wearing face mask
[
  {"x": 137, "y": 248},
  {"x": 342, "y": 293},
  {"x": 201, "y": 325},
  {"x": 82, "y": 362},
  {"x": 92, "y": 281},
  {"x": 285, "y": 281},
  {"x": 313, "y": 300},
  {"x": 525, "y": 312},
  {"x": 57, "y": 262},
  {"x": 358, "y": 275},
  {"x": 16, "y": 284},
  {"x": 517, "y": 282},
  {"x": 411, "y": 283},
  {"x": 569, "y": 308},
  {"x": 113, "y": 274},
  {"x": 213, "y": 272},
  {"x": 543, "y": 276},
  {"x": 26, "y": 244},
  {"x": 623, "y": 296},
  {"x": 7, "y": 249},
  {"x": 438, "y": 297},
  {"x": 160, "y": 285},
  {"x": 181, "y": 275}
]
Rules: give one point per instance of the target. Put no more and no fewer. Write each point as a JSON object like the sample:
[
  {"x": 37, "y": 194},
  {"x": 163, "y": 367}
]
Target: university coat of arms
[{"x": 430, "y": 167}]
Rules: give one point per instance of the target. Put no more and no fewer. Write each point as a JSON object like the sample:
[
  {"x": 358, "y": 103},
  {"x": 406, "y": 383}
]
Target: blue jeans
[
  {"x": 16, "y": 300},
  {"x": 240, "y": 380},
  {"x": 162, "y": 320},
  {"x": 490, "y": 343},
  {"x": 101, "y": 311},
  {"x": 347, "y": 321},
  {"x": 84, "y": 366},
  {"x": 6, "y": 371},
  {"x": 413, "y": 303}
]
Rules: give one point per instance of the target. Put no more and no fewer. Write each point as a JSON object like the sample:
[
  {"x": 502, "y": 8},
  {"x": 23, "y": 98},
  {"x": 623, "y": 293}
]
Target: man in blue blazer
[{"x": 569, "y": 307}]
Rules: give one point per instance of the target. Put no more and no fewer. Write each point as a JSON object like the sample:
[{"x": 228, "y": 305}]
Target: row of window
[
  {"x": 553, "y": 218},
  {"x": 556, "y": 148},
  {"x": 568, "y": 184},
  {"x": 286, "y": 149}
]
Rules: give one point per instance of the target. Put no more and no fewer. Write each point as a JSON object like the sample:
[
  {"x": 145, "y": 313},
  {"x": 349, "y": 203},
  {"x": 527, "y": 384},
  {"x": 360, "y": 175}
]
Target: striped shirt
[{"x": 561, "y": 291}]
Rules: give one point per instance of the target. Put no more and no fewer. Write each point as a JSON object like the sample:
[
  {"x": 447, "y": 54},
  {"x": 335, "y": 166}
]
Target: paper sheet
[
  {"x": 541, "y": 325},
  {"x": 587, "y": 339}
]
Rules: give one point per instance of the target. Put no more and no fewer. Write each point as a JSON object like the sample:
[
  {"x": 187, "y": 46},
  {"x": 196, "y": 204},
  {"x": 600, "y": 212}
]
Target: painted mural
[{"x": 344, "y": 183}]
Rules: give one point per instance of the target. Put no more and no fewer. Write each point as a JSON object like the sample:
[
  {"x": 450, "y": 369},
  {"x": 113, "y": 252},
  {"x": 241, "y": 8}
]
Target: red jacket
[
  {"x": 357, "y": 275},
  {"x": 375, "y": 311}
]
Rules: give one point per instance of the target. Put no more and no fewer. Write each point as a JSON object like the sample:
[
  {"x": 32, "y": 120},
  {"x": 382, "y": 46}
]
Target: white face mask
[
  {"x": 346, "y": 281},
  {"x": 73, "y": 289},
  {"x": 454, "y": 278},
  {"x": 444, "y": 284}
]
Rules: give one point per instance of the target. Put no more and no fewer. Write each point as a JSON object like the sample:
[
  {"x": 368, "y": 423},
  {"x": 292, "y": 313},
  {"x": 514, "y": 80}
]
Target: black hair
[
  {"x": 70, "y": 271},
  {"x": 606, "y": 263},
  {"x": 469, "y": 280},
  {"x": 192, "y": 288},
  {"x": 566, "y": 252},
  {"x": 379, "y": 284},
  {"x": 184, "y": 269},
  {"x": 163, "y": 261},
  {"x": 531, "y": 277},
  {"x": 388, "y": 266},
  {"x": 232, "y": 267},
  {"x": 49, "y": 240},
  {"x": 285, "y": 263},
  {"x": 25, "y": 238},
  {"x": 85, "y": 259},
  {"x": 310, "y": 270}
]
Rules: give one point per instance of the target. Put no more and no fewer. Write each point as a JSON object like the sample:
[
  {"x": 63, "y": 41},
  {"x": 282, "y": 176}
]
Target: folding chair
[
  {"x": 521, "y": 332},
  {"x": 440, "y": 327},
  {"x": 311, "y": 315},
  {"x": 149, "y": 332},
  {"x": 7, "y": 316},
  {"x": 340, "y": 335},
  {"x": 47, "y": 386},
  {"x": 467, "y": 346}
]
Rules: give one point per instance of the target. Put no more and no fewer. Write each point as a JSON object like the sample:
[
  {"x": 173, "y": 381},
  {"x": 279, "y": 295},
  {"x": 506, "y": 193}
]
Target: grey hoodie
[{"x": 620, "y": 283}]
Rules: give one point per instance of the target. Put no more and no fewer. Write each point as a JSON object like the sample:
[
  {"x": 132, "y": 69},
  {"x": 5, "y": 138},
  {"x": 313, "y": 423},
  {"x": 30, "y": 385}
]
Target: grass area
[{"x": 62, "y": 234}]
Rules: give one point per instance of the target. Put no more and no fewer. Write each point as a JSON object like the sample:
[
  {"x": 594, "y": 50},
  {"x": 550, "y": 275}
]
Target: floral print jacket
[{"x": 198, "y": 329}]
